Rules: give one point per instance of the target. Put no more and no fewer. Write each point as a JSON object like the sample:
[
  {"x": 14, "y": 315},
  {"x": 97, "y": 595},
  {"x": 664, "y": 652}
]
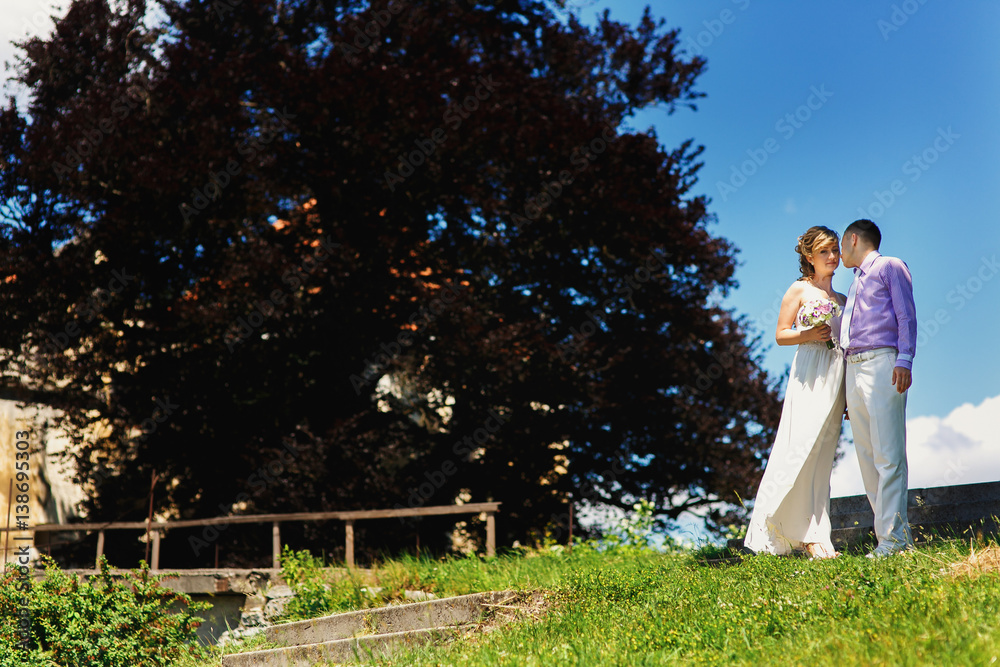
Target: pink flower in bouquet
[{"x": 818, "y": 312}]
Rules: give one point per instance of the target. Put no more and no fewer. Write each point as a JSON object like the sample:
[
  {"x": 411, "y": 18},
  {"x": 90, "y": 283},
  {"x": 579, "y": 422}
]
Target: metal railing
[{"x": 157, "y": 529}]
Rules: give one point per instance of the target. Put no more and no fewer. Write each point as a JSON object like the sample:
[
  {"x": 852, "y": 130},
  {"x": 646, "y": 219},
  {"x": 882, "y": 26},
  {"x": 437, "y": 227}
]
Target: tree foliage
[{"x": 310, "y": 255}]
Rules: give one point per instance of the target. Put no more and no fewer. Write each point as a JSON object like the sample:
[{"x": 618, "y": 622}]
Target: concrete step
[
  {"x": 339, "y": 651},
  {"x": 348, "y": 636}
]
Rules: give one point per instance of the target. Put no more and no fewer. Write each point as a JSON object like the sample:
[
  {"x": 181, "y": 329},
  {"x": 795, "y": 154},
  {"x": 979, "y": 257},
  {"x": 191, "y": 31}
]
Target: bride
[{"x": 792, "y": 508}]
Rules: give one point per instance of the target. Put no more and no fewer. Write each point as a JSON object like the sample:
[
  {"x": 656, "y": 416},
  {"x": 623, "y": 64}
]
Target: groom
[{"x": 878, "y": 334}]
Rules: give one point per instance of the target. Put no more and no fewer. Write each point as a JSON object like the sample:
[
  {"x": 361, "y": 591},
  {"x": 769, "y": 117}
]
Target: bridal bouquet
[{"x": 816, "y": 312}]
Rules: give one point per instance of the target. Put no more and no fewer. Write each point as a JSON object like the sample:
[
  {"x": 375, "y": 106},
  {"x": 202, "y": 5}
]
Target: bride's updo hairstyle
[{"x": 814, "y": 240}]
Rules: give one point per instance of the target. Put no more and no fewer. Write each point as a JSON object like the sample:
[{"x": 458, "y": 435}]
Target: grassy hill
[{"x": 939, "y": 605}]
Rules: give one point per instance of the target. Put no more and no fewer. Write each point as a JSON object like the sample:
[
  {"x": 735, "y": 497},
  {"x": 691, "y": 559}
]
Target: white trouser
[{"x": 878, "y": 421}]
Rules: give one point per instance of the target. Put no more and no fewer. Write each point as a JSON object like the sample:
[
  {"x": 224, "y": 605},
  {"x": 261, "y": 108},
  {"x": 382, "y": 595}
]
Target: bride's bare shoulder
[
  {"x": 797, "y": 289},
  {"x": 794, "y": 295}
]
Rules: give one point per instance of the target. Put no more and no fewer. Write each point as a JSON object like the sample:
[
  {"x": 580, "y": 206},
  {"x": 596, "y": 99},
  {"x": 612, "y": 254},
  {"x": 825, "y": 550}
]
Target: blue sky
[
  {"x": 889, "y": 100},
  {"x": 881, "y": 94},
  {"x": 847, "y": 102}
]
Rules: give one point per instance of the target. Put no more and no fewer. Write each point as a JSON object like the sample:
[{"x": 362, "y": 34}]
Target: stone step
[
  {"x": 339, "y": 651},
  {"x": 338, "y": 638}
]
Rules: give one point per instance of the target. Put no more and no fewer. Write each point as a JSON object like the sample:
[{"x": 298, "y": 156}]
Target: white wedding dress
[{"x": 793, "y": 501}]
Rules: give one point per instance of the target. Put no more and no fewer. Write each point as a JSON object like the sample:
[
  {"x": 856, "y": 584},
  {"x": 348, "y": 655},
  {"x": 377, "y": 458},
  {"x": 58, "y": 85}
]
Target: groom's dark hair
[{"x": 867, "y": 230}]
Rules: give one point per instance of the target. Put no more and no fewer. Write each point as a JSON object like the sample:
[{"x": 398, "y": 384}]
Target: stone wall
[
  {"x": 963, "y": 511},
  {"x": 52, "y": 494}
]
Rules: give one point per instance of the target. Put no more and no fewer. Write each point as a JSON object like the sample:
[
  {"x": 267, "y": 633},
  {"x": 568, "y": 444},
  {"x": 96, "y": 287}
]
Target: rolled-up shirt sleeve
[{"x": 897, "y": 277}]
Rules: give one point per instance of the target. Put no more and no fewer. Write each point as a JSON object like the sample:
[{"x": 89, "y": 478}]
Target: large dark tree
[{"x": 319, "y": 254}]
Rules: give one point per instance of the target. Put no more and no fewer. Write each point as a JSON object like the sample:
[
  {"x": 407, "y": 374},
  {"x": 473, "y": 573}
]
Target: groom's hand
[{"x": 902, "y": 378}]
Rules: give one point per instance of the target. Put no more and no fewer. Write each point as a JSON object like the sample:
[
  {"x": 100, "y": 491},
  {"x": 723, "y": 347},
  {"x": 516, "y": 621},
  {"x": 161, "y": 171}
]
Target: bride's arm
[{"x": 785, "y": 334}]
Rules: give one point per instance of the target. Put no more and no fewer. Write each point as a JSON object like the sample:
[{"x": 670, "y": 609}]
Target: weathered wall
[{"x": 52, "y": 495}]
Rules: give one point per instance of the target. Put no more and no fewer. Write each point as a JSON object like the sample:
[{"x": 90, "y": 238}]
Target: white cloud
[
  {"x": 23, "y": 18},
  {"x": 20, "y": 19},
  {"x": 17, "y": 13},
  {"x": 790, "y": 206},
  {"x": 962, "y": 448}
]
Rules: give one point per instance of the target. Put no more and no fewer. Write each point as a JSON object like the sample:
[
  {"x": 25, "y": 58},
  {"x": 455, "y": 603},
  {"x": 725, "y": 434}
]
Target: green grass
[
  {"x": 332, "y": 590},
  {"x": 635, "y": 607},
  {"x": 671, "y": 610}
]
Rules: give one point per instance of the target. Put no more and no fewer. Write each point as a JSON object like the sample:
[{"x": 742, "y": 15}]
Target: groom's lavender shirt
[{"x": 884, "y": 314}]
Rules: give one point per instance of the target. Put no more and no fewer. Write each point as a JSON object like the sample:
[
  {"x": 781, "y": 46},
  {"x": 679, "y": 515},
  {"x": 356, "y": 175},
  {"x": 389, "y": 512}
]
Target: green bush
[
  {"x": 637, "y": 532},
  {"x": 105, "y": 620},
  {"x": 315, "y": 594}
]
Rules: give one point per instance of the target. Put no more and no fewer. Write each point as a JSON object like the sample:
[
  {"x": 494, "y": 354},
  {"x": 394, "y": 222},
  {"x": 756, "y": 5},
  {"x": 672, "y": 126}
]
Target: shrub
[
  {"x": 315, "y": 594},
  {"x": 105, "y": 620},
  {"x": 637, "y": 532}
]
